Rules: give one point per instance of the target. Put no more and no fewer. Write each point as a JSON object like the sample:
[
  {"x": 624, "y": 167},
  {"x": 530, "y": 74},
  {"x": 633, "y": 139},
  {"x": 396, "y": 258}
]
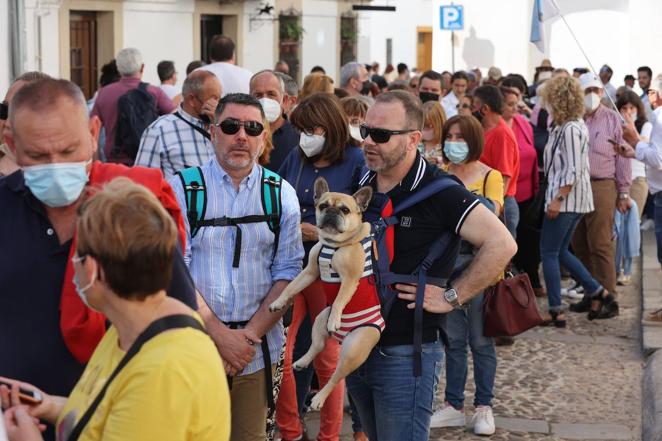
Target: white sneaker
[
  {"x": 483, "y": 421},
  {"x": 575, "y": 294},
  {"x": 448, "y": 416},
  {"x": 647, "y": 224},
  {"x": 624, "y": 279}
]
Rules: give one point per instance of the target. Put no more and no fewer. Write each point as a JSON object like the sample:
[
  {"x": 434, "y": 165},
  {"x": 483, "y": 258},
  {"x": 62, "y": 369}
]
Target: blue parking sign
[{"x": 451, "y": 18}]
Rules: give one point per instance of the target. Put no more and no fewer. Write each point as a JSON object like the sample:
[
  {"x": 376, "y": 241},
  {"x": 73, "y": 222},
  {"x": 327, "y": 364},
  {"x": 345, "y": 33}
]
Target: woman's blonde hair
[
  {"x": 435, "y": 117},
  {"x": 127, "y": 230},
  {"x": 265, "y": 157},
  {"x": 316, "y": 82},
  {"x": 565, "y": 98}
]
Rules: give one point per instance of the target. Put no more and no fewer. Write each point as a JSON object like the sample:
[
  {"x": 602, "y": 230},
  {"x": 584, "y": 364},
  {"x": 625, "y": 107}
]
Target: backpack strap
[
  {"x": 195, "y": 194},
  {"x": 272, "y": 203},
  {"x": 155, "y": 328}
]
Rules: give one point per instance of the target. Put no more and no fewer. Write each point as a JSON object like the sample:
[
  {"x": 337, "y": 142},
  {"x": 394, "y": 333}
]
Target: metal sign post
[{"x": 451, "y": 18}]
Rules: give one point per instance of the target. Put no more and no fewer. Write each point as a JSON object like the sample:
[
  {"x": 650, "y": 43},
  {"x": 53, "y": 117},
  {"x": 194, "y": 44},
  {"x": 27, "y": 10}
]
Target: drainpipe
[{"x": 17, "y": 37}]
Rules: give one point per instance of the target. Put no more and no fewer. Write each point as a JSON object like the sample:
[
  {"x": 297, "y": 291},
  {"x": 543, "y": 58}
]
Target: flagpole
[{"x": 586, "y": 57}]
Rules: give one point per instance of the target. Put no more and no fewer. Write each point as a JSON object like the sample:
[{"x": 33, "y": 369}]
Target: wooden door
[
  {"x": 83, "y": 51},
  {"x": 423, "y": 48}
]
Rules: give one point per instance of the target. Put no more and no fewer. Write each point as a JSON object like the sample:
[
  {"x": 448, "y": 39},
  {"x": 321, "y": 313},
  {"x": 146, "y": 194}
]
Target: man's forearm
[
  {"x": 263, "y": 319},
  {"x": 215, "y": 327},
  {"x": 489, "y": 262}
]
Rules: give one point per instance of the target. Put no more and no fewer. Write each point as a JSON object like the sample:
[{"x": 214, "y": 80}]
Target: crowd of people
[{"x": 147, "y": 230}]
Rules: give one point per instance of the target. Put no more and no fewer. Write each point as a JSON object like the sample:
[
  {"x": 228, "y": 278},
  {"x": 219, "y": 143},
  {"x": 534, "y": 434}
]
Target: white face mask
[
  {"x": 591, "y": 101},
  {"x": 355, "y": 132},
  {"x": 312, "y": 145},
  {"x": 81, "y": 290},
  {"x": 272, "y": 109}
]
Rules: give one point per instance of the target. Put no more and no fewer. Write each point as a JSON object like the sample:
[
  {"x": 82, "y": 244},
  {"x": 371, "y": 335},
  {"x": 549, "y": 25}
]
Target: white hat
[{"x": 589, "y": 80}]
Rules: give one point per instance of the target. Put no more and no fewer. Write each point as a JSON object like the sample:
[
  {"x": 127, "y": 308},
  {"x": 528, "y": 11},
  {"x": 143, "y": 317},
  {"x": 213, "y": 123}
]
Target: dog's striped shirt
[{"x": 364, "y": 308}]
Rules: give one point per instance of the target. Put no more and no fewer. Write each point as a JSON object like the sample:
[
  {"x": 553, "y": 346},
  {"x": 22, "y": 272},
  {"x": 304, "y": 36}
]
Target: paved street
[{"x": 581, "y": 383}]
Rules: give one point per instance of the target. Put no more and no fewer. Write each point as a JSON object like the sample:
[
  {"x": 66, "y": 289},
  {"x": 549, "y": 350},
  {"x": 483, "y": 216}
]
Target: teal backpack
[{"x": 196, "y": 204}]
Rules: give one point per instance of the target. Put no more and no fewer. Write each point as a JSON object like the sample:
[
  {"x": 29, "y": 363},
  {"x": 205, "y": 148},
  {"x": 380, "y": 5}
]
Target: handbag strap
[
  {"x": 554, "y": 147},
  {"x": 155, "y": 328}
]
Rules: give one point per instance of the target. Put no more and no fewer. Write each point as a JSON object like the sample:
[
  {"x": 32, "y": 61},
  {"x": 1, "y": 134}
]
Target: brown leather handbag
[{"x": 509, "y": 307}]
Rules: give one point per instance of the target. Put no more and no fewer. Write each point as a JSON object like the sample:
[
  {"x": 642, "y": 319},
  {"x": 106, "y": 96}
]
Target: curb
[{"x": 651, "y": 288}]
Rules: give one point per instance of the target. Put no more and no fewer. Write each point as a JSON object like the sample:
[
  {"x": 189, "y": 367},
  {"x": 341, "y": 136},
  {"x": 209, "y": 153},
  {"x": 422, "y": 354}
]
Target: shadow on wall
[{"x": 477, "y": 52}]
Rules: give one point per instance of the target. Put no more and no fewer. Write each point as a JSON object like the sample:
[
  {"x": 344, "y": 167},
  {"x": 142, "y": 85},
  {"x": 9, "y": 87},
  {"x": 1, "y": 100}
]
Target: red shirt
[
  {"x": 501, "y": 153},
  {"x": 527, "y": 181},
  {"x": 105, "y": 107}
]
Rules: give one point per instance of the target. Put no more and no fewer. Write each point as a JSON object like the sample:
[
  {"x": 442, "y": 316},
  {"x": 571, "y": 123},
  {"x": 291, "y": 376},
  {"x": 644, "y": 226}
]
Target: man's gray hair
[
  {"x": 129, "y": 61},
  {"x": 349, "y": 71},
  {"x": 410, "y": 103},
  {"x": 291, "y": 86},
  {"x": 195, "y": 82},
  {"x": 656, "y": 84},
  {"x": 43, "y": 94},
  {"x": 281, "y": 83}
]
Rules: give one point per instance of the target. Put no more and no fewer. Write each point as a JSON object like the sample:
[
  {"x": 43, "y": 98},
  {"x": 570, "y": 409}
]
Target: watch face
[{"x": 450, "y": 295}]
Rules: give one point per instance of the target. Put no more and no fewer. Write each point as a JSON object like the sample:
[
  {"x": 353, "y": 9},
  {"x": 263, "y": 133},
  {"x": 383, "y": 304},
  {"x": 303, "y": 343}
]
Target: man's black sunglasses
[
  {"x": 380, "y": 136},
  {"x": 231, "y": 126},
  {"x": 4, "y": 110}
]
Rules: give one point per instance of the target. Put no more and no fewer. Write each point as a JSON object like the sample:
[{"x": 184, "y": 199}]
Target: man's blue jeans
[
  {"x": 554, "y": 241},
  {"x": 658, "y": 223},
  {"x": 511, "y": 211},
  {"x": 460, "y": 326},
  {"x": 394, "y": 404}
]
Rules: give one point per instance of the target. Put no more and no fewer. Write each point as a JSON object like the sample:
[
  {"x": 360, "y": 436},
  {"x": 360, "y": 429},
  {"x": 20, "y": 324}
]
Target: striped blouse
[{"x": 566, "y": 163}]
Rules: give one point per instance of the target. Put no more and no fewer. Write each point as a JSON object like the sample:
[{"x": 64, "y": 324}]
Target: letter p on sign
[{"x": 452, "y": 18}]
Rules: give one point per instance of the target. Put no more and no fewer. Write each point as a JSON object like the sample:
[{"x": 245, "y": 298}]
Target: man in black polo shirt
[
  {"x": 394, "y": 404},
  {"x": 50, "y": 133},
  {"x": 269, "y": 89}
]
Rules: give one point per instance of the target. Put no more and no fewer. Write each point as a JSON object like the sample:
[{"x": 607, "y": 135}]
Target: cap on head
[{"x": 588, "y": 80}]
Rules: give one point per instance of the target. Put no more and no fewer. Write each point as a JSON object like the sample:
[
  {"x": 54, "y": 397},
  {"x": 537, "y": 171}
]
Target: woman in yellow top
[
  {"x": 463, "y": 145},
  {"x": 174, "y": 387}
]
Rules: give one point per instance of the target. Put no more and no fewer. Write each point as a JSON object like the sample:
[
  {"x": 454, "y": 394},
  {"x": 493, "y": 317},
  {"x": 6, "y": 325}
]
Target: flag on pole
[{"x": 542, "y": 10}]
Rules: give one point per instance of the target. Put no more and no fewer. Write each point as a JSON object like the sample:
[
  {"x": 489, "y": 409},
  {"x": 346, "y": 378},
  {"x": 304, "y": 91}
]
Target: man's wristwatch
[
  {"x": 450, "y": 295},
  {"x": 623, "y": 196}
]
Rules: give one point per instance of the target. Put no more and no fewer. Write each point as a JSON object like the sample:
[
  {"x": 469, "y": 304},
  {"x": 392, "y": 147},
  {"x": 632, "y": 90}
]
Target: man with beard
[
  {"x": 239, "y": 263},
  {"x": 394, "y": 403}
]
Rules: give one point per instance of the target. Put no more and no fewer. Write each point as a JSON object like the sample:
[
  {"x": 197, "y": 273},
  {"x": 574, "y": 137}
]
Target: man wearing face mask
[
  {"x": 431, "y": 86},
  {"x": 353, "y": 78},
  {"x": 269, "y": 89},
  {"x": 611, "y": 176},
  {"x": 181, "y": 139},
  {"x": 47, "y": 334},
  {"x": 459, "y": 83}
]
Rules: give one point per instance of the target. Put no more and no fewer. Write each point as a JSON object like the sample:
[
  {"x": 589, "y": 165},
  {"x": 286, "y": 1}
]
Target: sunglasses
[
  {"x": 380, "y": 136},
  {"x": 4, "y": 110},
  {"x": 231, "y": 126},
  {"x": 463, "y": 106}
]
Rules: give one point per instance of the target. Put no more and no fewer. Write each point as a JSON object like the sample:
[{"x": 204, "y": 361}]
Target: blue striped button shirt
[
  {"x": 235, "y": 294},
  {"x": 172, "y": 144}
]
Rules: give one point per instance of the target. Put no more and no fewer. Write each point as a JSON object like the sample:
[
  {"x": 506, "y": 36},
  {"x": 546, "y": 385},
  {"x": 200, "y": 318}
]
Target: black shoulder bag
[{"x": 155, "y": 328}]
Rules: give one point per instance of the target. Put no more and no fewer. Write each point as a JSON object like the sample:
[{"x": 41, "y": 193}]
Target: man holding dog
[
  {"x": 392, "y": 402},
  {"x": 238, "y": 267}
]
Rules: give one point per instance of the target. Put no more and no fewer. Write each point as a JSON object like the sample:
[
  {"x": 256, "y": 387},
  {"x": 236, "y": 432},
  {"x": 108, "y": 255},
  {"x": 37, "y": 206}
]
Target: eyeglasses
[
  {"x": 380, "y": 136},
  {"x": 4, "y": 110},
  {"x": 231, "y": 126},
  {"x": 463, "y": 106}
]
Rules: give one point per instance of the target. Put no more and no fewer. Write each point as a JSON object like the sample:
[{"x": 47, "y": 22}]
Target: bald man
[{"x": 181, "y": 139}]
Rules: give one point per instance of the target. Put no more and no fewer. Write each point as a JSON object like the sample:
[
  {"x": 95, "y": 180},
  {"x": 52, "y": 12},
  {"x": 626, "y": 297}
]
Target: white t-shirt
[
  {"x": 638, "y": 167},
  {"x": 233, "y": 78},
  {"x": 171, "y": 90},
  {"x": 449, "y": 103}
]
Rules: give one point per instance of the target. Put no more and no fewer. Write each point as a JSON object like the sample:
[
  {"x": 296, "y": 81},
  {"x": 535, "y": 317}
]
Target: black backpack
[{"x": 136, "y": 110}]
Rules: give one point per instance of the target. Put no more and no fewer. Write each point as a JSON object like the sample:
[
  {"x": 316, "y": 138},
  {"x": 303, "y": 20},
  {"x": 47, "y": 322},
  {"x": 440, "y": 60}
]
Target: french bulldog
[{"x": 342, "y": 259}]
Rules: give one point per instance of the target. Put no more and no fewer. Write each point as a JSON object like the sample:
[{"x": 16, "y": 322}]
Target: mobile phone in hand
[{"x": 26, "y": 396}]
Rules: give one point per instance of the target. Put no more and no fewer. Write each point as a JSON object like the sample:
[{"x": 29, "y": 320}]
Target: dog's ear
[
  {"x": 321, "y": 187},
  {"x": 363, "y": 197}
]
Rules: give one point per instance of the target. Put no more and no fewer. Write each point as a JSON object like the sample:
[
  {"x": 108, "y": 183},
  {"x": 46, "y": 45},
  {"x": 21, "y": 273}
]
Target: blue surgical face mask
[
  {"x": 57, "y": 184},
  {"x": 81, "y": 290},
  {"x": 456, "y": 151}
]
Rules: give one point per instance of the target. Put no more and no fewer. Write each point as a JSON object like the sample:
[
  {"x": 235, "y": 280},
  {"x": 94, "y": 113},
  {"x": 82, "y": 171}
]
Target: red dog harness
[{"x": 364, "y": 308}]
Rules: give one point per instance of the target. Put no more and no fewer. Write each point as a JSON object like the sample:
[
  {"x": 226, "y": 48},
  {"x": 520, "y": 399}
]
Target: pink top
[
  {"x": 527, "y": 181},
  {"x": 105, "y": 107}
]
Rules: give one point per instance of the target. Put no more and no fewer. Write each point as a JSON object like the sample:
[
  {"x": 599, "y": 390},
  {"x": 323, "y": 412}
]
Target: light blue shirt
[{"x": 235, "y": 294}]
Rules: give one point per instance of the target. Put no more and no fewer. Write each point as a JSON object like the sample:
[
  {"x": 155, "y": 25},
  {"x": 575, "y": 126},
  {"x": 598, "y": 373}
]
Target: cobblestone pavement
[{"x": 582, "y": 382}]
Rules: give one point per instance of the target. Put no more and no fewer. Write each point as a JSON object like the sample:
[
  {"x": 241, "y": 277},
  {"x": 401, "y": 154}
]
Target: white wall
[
  {"x": 160, "y": 31},
  {"x": 320, "y": 45},
  {"x": 258, "y": 36},
  {"x": 46, "y": 59}
]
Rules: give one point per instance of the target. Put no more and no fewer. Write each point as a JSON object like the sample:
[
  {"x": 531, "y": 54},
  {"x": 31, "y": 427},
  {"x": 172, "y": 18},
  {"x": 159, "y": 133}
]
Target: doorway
[
  {"x": 423, "y": 48},
  {"x": 210, "y": 25},
  {"x": 83, "y": 51}
]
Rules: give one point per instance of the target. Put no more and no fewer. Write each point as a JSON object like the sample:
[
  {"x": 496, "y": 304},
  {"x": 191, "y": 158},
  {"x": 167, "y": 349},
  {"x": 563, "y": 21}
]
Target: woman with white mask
[
  {"x": 324, "y": 150},
  {"x": 356, "y": 110}
]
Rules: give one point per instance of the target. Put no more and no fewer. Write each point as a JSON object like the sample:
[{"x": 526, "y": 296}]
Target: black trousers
[{"x": 527, "y": 258}]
